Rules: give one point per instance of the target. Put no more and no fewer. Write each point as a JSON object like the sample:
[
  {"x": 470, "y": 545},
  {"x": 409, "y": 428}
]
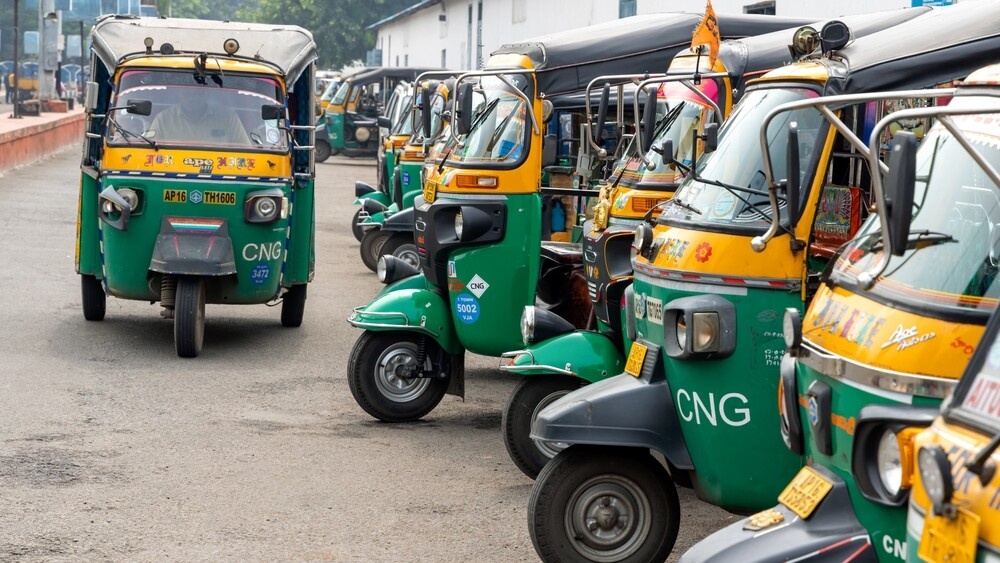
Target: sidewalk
[{"x": 30, "y": 138}]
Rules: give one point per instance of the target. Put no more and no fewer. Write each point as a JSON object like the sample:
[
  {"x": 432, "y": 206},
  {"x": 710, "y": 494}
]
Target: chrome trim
[
  {"x": 358, "y": 311},
  {"x": 532, "y": 367},
  {"x": 837, "y": 367}
]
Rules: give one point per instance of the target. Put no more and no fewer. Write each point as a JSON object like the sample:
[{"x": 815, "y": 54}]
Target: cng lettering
[
  {"x": 253, "y": 252},
  {"x": 175, "y": 196},
  {"x": 732, "y": 408},
  {"x": 894, "y": 547}
]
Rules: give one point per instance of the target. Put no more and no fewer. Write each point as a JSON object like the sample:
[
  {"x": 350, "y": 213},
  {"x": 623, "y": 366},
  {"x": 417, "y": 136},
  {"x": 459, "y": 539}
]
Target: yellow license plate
[
  {"x": 430, "y": 192},
  {"x": 636, "y": 356},
  {"x": 952, "y": 540},
  {"x": 805, "y": 492}
]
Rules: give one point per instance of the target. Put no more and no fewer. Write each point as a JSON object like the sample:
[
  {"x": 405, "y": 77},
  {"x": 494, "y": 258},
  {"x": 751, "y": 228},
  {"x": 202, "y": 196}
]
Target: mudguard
[
  {"x": 620, "y": 411},
  {"x": 589, "y": 355},
  {"x": 401, "y": 221},
  {"x": 362, "y": 189},
  {"x": 182, "y": 250},
  {"x": 380, "y": 197},
  {"x": 831, "y": 534},
  {"x": 409, "y": 305}
]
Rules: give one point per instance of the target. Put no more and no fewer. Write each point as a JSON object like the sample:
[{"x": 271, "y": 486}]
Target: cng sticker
[
  {"x": 260, "y": 273},
  {"x": 478, "y": 285},
  {"x": 466, "y": 308},
  {"x": 175, "y": 196},
  {"x": 263, "y": 251},
  {"x": 733, "y": 409},
  {"x": 220, "y": 198}
]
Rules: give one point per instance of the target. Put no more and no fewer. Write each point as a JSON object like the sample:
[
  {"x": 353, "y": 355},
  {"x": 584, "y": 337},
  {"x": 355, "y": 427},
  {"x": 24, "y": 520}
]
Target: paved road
[{"x": 112, "y": 448}]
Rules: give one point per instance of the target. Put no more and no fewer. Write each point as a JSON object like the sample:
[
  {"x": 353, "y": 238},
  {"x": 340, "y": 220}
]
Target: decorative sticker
[
  {"x": 854, "y": 325},
  {"x": 175, "y": 196},
  {"x": 640, "y": 306},
  {"x": 478, "y": 285},
  {"x": 160, "y": 159},
  {"x": 234, "y": 162},
  {"x": 621, "y": 201},
  {"x": 703, "y": 252},
  {"x": 196, "y": 196},
  {"x": 452, "y": 272},
  {"x": 467, "y": 308},
  {"x": 674, "y": 248},
  {"x": 984, "y": 396},
  {"x": 260, "y": 273},
  {"x": 906, "y": 337},
  {"x": 813, "y": 411},
  {"x": 204, "y": 165}
]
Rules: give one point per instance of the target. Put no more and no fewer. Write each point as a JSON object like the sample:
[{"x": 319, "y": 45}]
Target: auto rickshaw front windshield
[
  {"x": 404, "y": 124},
  {"x": 742, "y": 206},
  {"x": 341, "y": 95},
  {"x": 193, "y": 109},
  {"x": 500, "y": 127},
  {"x": 956, "y": 222}
]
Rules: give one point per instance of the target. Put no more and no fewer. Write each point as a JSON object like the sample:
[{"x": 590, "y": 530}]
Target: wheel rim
[
  {"x": 408, "y": 253},
  {"x": 608, "y": 518},
  {"x": 388, "y": 373},
  {"x": 548, "y": 449}
]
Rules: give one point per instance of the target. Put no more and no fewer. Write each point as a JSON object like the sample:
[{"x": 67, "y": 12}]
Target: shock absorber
[
  {"x": 168, "y": 295},
  {"x": 421, "y": 355}
]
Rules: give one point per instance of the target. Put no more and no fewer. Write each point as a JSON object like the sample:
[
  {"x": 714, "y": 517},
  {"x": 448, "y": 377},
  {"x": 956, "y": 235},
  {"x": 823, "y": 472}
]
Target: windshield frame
[{"x": 459, "y": 162}]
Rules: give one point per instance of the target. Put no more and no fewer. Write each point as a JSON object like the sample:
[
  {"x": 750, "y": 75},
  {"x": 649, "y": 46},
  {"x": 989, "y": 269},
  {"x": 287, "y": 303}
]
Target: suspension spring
[{"x": 168, "y": 292}]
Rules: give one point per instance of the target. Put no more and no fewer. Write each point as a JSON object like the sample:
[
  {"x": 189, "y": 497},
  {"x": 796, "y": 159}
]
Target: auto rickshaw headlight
[
  {"x": 266, "y": 206},
  {"x": 391, "y": 269},
  {"x": 528, "y": 324},
  {"x": 792, "y": 327},
  {"x": 889, "y": 462},
  {"x": 682, "y": 333},
  {"x": 459, "y": 223},
  {"x": 130, "y": 196},
  {"x": 705, "y": 333},
  {"x": 643, "y": 239},
  {"x": 935, "y": 472}
]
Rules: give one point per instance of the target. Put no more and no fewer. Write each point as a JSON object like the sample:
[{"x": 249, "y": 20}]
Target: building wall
[{"x": 419, "y": 39}]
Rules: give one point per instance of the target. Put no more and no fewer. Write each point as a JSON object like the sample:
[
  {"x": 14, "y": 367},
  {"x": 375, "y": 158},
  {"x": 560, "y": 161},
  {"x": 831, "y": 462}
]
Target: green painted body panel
[
  {"x": 390, "y": 164},
  {"x": 301, "y": 260},
  {"x": 732, "y": 400},
  {"x": 590, "y": 355},
  {"x": 88, "y": 249},
  {"x": 256, "y": 247},
  {"x": 410, "y": 180},
  {"x": 335, "y": 128},
  {"x": 410, "y": 305},
  {"x": 380, "y": 197},
  {"x": 510, "y": 267},
  {"x": 846, "y": 401}
]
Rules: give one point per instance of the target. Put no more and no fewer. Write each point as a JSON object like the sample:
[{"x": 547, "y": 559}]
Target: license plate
[
  {"x": 952, "y": 540},
  {"x": 636, "y": 356},
  {"x": 805, "y": 492},
  {"x": 430, "y": 192}
]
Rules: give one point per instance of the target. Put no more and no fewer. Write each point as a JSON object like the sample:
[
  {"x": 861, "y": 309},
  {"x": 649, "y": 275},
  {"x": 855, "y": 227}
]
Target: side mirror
[
  {"x": 602, "y": 113},
  {"x": 139, "y": 107},
  {"x": 464, "y": 122},
  {"x": 384, "y": 122},
  {"x": 648, "y": 119},
  {"x": 272, "y": 111},
  {"x": 425, "y": 114},
  {"x": 899, "y": 186},
  {"x": 667, "y": 151},
  {"x": 793, "y": 172},
  {"x": 711, "y": 137},
  {"x": 90, "y": 96}
]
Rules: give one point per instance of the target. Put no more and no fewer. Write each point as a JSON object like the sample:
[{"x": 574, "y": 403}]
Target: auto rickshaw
[
  {"x": 638, "y": 188},
  {"x": 479, "y": 225},
  {"x": 864, "y": 371},
  {"x": 352, "y": 115},
  {"x": 197, "y": 171},
  {"x": 703, "y": 314}
]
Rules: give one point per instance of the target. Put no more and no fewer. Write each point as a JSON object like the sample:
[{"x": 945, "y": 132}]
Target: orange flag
[{"x": 707, "y": 33}]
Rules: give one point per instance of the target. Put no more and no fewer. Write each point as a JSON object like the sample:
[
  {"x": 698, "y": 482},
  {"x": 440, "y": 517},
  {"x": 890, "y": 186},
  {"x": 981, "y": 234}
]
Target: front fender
[
  {"x": 401, "y": 221},
  {"x": 619, "y": 411},
  {"x": 193, "y": 253},
  {"x": 409, "y": 305},
  {"x": 589, "y": 355},
  {"x": 380, "y": 197},
  {"x": 831, "y": 534}
]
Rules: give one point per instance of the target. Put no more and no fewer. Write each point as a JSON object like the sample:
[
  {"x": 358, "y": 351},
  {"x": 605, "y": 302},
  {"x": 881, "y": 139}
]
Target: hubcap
[
  {"x": 608, "y": 518},
  {"x": 392, "y": 373},
  {"x": 409, "y": 255},
  {"x": 548, "y": 449}
]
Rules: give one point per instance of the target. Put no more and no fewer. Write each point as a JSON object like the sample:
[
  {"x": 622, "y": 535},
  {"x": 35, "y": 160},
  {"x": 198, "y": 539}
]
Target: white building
[{"x": 461, "y": 34}]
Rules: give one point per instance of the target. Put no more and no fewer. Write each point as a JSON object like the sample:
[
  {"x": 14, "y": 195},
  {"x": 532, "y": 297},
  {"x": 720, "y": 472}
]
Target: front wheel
[
  {"x": 373, "y": 245},
  {"x": 189, "y": 316},
  {"x": 532, "y": 394},
  {"x": 380, "y": 373},
  {"x": 293, "y": 306},
  {"x": 95, "y": 301},
  {"x": 322, "y": 150},
  {"x": 407, "y": 252},
  {"x": 603, "y": 504},
  {"x": 356, "y": 229}
]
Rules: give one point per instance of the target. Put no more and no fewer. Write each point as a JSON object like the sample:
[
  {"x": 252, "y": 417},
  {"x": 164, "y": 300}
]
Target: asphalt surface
[{"x": 112, "y": 448}]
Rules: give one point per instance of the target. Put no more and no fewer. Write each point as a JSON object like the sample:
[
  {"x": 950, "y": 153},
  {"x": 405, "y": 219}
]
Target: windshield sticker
[
  {"x": 160, "y": 159},
  {"x": 467, "y": 308},
  {"x": 260, "y": 273},
  {"x": 175, "y": 196},
  {"x": 984, "y": 396},
  {"x": 703, "y": 253},
  {"x": 724, "y": 205},
  {"x": 478, "y": 285},
  {"x": 907, "y": 337}
]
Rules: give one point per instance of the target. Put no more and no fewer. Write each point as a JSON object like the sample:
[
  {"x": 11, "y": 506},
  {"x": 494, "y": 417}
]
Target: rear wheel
[
  {"x": 322, "y": 150},
  {"x": 94, "y": 299},
  {"x": 189, "y": 316},
  {"x": 356, "y": 229},
  {"x": 407, "y": 252},
  {"x": 380, "y": 371},
  {"x": 532, "y": 394},
  {"x": 374, "y": 244},
  {"x": 293, "y": 306}
]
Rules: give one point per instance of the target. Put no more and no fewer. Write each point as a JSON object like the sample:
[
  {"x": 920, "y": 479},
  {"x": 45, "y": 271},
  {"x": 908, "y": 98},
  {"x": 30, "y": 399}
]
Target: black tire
[
  {"x": 374, "y": 245},
  {"x": 532, "y": 394},
  {"x": 407, "y": 252},
  {"x": 95, "y": 302},
  {"x": 293, "y": 306},
  {"x": 189, "y": 316},
  {"x": 323, "y": 150},
  {"x": 372, "y": 372},
  {"x": 625, "y": 495},
  {"x": 356, "y": 230}
]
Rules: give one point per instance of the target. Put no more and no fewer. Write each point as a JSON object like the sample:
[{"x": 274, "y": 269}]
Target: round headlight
[
  {"x": 791, "y": 325},
  {"x": 265, "y": 208},
  {"x": 889, "y": 463},
  {"x": 643, "y": 237},
  {"x": 935, "y": 472},
  {"x": 108, "y": 207},
  {"x": 459, "y": 222},
  {"x": 130, "y": 197},
  {"x": 528, "y": 325},
  {"x": 682, "y": 333},
  {"x": 380, "y": 269},
  {"x": 705, "y": 331}
]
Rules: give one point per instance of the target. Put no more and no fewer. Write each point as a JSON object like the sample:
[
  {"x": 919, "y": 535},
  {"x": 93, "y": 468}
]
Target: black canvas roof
[
  {"x": 567, "y": 61},
  {"x": 374, "y": 74}
]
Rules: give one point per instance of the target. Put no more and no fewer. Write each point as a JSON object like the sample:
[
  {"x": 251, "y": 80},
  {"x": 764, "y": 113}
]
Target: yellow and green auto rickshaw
[{"x": 197, "y": 171}]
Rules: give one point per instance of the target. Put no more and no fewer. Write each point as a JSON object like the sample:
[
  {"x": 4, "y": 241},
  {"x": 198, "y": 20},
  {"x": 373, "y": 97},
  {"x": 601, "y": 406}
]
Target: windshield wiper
[
  {"x": 126, "y": 134},
  {"x": 980, "y": 465},
  {"x": 919, "y": 239},
  {"x": 444, "y": 159},
  {"x": 677, "y": 201},
  {"x": 733, "y": 189}
]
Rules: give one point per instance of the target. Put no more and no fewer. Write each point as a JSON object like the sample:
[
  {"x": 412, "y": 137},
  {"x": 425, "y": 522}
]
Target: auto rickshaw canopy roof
[
  {"x": 377, "y": 73},
  {"x": 568, "y": 60},
  {"x": 288, "y": 47}
]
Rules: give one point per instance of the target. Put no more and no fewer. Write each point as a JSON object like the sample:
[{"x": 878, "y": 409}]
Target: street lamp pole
[{"x": 17, "y": 39}]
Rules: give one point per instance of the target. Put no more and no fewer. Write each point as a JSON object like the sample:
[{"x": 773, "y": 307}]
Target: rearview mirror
[
  {"x": 648, "y": 119},
  {"x": 272, "y": 111},
  {"x": 899, "y": 186},
  {"x": 384, "y": 122},
  {"x": 792, "y": 177},
  {"x": 711, "y": 137},
  {"x": 90, "y": 96},
  {"x": 425, "y": 114},
  {"x": 602, "y": 113},
  {"x": 463, "y": 123},
  {"x": 139, "y": 107},
  {"x": 667, "y": 151}
]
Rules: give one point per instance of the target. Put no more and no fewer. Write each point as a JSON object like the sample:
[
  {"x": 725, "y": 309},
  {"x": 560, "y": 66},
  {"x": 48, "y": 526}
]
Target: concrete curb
[{"x": 36, "y": 140}]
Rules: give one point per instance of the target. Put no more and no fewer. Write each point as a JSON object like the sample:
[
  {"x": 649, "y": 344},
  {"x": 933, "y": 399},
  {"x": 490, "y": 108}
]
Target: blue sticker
[
  {"x": 406, "y": 178},
  {"x": 467, "y": 308},
  {"x": 813, "y": 411},
  {"x": 195, "y": 196},
  {"x": 260, "y": 273}
]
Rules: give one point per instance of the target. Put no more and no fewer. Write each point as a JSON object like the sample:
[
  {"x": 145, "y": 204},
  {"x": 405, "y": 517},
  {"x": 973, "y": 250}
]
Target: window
[
  {"x": 762, "y": 8},
  {"x": 626, "y": 8}
]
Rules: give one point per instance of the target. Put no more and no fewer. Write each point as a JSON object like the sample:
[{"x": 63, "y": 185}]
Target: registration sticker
[
  {"x": 805, "y": 492},
  {"x": 636, "y": 357},
  {"x": 953, "y": 540},
  {"x": 430, "y": 192}
]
